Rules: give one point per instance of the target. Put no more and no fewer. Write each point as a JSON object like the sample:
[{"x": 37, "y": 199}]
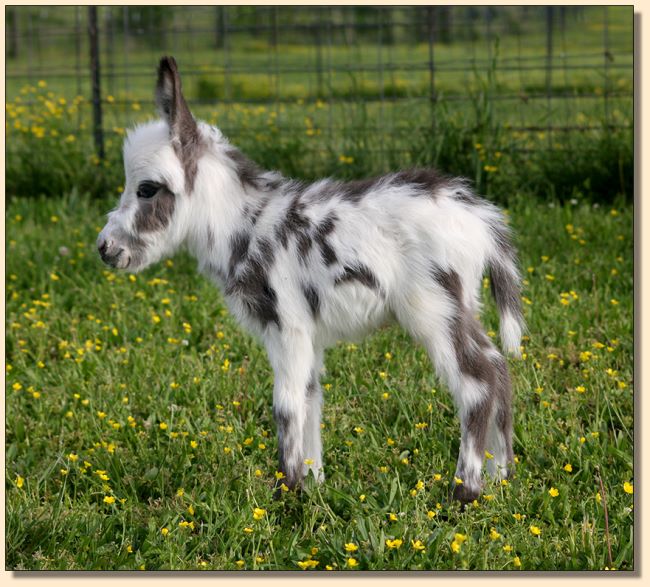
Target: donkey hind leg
[
  {"x": 463, "y": 358},
  {"x": 312, "y": 444},
  {"x": 499, "y": 443},
  {"x": 482, "y": 393},
  {"x": 475, "y": 400}
]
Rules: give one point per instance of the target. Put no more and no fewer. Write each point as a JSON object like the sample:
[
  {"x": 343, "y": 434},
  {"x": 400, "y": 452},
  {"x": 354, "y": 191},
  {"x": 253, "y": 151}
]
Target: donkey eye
[{"x": 147, "y": 189}]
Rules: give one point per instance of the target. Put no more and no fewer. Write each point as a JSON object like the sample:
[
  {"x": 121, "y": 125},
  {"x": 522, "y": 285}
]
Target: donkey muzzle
[{"x": 111, "y": 254}]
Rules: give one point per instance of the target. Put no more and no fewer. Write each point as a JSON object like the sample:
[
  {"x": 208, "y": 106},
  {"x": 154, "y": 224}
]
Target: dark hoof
[{"x": 465, "y": 495}]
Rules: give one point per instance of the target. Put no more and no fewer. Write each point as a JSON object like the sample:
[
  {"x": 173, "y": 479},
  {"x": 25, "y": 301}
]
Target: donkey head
[{"x": 161, "y": 165}]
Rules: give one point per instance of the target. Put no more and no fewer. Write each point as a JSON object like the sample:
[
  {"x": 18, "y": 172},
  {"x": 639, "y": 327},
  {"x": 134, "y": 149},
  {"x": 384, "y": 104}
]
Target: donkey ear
[
  {"x": 183, "y": 129},
  {"x": 169, "y": 97}
]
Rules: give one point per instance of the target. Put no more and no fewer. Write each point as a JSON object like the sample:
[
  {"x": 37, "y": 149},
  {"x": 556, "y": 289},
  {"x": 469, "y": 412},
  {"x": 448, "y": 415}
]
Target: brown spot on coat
[
  {"x": 154, "y": 214},
  {"x": 312, "y": 298},
  {"x": 469, "y": 340},
  {"x": 239, "y": 244},
  {"x": 428, "y": 180},
  {"x": 288, "y": 449},
  {"x": 251, "y": 174},
  {"x": 248, "y": 279},
  {"x": 323, "y": 230},
  {"x": 354, "y": 191},
  {"x": 360, "y": 273}
]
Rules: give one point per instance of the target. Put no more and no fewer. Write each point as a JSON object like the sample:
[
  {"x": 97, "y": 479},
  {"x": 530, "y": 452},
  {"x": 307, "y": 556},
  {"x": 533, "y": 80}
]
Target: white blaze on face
[{"x": 144, "y": 227}]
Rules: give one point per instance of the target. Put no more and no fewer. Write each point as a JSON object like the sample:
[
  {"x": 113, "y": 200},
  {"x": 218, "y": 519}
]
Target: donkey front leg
[{"x": 292, "y": 357}]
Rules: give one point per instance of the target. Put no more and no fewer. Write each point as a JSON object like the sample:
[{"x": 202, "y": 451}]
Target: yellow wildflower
[{"x": 417, "y": 545}]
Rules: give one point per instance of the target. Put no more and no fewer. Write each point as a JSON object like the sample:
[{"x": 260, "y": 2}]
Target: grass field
[
  {"x": 48, "y": 154},
  {"x": 140, "y": 434}
]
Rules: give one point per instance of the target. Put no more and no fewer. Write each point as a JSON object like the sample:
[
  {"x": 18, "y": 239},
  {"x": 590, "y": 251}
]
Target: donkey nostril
[{"x": 104, "y": 245}]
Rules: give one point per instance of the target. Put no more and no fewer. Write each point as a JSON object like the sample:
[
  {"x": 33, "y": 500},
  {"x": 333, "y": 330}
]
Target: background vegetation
[{"x": 514, "y": 102}]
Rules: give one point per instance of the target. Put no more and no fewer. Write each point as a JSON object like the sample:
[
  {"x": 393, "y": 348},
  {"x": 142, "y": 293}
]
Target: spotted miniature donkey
[{"x": 304, "y": 265}]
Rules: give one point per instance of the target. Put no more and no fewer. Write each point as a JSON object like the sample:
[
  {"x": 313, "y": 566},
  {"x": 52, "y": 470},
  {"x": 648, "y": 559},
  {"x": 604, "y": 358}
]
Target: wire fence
[{"x": 366, "y": 70}]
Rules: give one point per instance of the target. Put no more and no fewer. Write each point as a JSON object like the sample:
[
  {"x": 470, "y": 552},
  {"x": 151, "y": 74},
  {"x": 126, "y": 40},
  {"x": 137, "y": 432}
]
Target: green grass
[
  {"x": 47, "y": 155},
  {"x": 96, "y": 362}
]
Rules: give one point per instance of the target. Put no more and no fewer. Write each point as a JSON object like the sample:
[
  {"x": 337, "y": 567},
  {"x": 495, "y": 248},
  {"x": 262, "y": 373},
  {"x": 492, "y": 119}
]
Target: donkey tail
[{"x": 505, "y": 283}]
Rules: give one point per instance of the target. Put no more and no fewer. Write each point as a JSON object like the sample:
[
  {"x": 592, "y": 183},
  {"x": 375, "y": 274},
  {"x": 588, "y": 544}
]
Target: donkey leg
[
  {"x": 475, "y": 416},
  {"x": 292, "y": 356},
  {"x": 473, "y": 393},
  {"x": 475, "y": 389},
  {"x": 461, "y": 353},
  {"x": 499, "y": 442}
]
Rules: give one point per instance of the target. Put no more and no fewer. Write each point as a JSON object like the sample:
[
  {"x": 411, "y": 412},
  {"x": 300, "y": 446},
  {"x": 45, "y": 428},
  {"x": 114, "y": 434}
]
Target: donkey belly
[{"x": 350, "y": 312}]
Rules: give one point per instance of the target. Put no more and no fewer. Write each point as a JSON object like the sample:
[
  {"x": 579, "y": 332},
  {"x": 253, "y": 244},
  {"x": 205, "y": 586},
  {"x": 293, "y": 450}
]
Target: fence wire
[{"x": 367, "y": 70}]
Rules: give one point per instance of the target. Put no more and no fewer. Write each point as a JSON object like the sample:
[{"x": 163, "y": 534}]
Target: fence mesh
[{"x": 330, "y": 73}]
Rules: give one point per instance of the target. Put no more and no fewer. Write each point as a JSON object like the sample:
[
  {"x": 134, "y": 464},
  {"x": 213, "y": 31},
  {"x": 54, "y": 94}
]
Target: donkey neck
[{"x": 221, "y": 212}]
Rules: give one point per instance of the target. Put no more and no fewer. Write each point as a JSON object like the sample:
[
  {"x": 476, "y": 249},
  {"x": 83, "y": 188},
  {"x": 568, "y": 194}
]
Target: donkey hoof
[{"x": 465, "y": 494}]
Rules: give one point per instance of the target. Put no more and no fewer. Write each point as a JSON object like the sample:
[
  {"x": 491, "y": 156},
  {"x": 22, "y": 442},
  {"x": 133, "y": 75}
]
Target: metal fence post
[
  {"x": 608, "y": 57},
  {"x": 226, "y": 57},
  {"x": 431, "y": 21},
  {"x": 77, "y": 55},
  {"x": 431, "y": 34},
  {"x": 109, "y": 51},
  {"x": 12, "y": 32},
  {"x": 319, "y": 53},
  {"x": 93, "y": 35},
  {"x": 549, "y": 68}
]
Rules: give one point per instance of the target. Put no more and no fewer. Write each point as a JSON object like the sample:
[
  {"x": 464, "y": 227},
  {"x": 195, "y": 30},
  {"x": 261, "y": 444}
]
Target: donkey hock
[{"x": 304, "y": 265}]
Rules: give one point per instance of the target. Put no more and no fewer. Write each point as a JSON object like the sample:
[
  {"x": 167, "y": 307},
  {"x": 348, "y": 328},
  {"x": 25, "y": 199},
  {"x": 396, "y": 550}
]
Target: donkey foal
[{"x": 304, "y": 265}]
